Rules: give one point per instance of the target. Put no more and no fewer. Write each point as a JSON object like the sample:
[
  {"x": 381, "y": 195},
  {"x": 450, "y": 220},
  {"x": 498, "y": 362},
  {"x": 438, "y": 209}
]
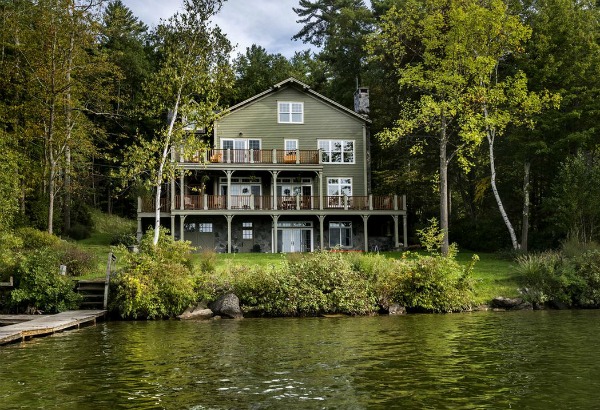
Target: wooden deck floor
[{"x": 49, "y": 324}]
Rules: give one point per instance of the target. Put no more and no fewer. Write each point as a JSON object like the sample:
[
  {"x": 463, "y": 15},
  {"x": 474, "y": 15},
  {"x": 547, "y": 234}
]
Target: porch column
[
  {"x": 396, "y": 241},
  {"x": 405, "y": 230},
  {"x": 228, "y": 173},
  {"x": 366, "y": 231},
  {"x": 172, "y": 194},
  {"x": 229, "y": 218},
  {"x": 321, "y": 231},
  {"x": 139, "y": 229},
  {"x": 181, "y": 191},
  {"x": 320, "y": 174},
  {"x": 181, "y": 230},
  {"x": 172, "y": 226},
  {"x": 274, "y": 176},
  {"x": 274, "y": 236}
]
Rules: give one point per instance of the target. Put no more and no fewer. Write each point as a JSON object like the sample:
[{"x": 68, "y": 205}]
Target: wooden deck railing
[
  {"x": 265, "y": 202},
  {"x": 147, "y": 205},
  {"x": 255, "y": 156}
]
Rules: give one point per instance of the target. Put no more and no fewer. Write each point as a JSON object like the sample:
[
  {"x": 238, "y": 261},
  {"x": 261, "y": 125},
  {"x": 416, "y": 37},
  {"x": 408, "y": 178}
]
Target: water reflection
[{"x": 482, "y": 360}]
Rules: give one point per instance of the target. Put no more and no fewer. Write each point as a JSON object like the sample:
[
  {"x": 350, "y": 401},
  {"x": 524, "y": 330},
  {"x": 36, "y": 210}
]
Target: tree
[
  {"x": 575, "y": 199},
  {"x": 339, "y": 27},
  {"x": 123, "y": 40},
  {"x": 63, "y": 79},
  {"x": 193, "y": 73},
  {"x": 257, "y": 70},
  {"x": 447, "y": 55}
]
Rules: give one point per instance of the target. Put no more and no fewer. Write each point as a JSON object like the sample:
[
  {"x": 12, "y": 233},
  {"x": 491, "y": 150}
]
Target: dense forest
[{"x": 484, "y": 112}]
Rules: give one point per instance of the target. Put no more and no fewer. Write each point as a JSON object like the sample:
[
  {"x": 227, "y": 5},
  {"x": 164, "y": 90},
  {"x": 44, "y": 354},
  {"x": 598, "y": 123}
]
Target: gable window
[
  {"x": 290, "y": 112},
  {"x": 340, "y": 234},
  {"x": 337, "y": 151}
]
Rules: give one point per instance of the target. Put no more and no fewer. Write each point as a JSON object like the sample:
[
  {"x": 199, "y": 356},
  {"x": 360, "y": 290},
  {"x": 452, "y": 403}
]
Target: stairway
[{"x": 92, "y": 292}]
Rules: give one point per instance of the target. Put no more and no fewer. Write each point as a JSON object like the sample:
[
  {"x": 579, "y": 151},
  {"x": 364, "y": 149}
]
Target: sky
[{"x": 268, "y": 23}]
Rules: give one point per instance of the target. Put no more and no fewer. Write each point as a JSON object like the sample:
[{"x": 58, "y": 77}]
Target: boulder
[
  {"x": 510, "y": 303},
  {"x": 396, "y": 309},
  {"x": 199, "y": 312},
  {"x": 228, "y": 306}
]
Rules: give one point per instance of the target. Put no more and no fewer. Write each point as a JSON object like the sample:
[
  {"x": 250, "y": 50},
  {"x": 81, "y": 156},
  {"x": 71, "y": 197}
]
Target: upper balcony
[{"x": 255, "y": 156}]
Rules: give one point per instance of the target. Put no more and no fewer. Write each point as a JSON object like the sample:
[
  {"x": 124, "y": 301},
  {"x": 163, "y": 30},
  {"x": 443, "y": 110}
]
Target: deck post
[
  {"x": 395, "y": 202},
  {"x": 320, "y": 173},
  {"x": 396, "y": 239},
  {"x": 229, "y": 218},
  {"x": 405, "y": 231},
  {"x": 366, "y": 231},
  {"x": 274, "y": 236},
  {"x": 321, "y": 231},
  {"x": 111, "y": 258}
]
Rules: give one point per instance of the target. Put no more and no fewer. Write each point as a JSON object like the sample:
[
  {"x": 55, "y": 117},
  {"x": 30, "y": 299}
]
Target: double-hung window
[
  {"x": 337, "y": 188},
  {"x": 337, "y": 151},
  {"x": 290, "y": 112}
]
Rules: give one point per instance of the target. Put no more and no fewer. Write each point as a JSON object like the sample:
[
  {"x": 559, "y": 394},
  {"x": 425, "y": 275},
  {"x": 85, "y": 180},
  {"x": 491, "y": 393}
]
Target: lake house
[{"x": 288, "y": 171}]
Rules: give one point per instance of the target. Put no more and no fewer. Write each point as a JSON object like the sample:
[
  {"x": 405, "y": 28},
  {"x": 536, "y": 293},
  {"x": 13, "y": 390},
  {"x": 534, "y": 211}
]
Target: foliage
[
  {"x": 40, "y": 287},
  {"x": 156, "y": 282},
  {"x": 575, "y": 199},
  {"x": 334, "y": 282},
  {"x": 193, "y": 71},
  {"x": 555, "y": 277},
  {"x": 36, "y": 239},
  {"x": 427, "y": 283}
]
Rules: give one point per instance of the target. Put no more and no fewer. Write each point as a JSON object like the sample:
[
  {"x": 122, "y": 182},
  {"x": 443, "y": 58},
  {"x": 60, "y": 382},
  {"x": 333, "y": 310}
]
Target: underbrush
[
  {"x": 34, "y": 258},
  {"x": 570, "y": 277},
  {"x": 354, "y": 284}
]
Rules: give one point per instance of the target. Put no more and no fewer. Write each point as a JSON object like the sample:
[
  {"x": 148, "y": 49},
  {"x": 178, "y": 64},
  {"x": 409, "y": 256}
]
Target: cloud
[{"x": 268, "y": 23}]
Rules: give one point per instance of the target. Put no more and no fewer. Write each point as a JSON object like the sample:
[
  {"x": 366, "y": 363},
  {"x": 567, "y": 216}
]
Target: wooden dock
[{"x": 49, "y": 324}]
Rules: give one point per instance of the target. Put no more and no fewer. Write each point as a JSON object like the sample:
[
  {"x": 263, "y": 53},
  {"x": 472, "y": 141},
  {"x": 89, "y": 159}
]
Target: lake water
[{"x": 519, "y": 360}]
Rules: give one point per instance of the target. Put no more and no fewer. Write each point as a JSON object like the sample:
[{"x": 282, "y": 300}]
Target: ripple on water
[{"x": 484, "y": 360}]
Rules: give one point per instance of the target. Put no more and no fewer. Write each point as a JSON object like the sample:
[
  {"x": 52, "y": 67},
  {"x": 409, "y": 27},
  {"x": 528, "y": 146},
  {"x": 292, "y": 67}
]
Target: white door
[{"x": 295, "y": 240}]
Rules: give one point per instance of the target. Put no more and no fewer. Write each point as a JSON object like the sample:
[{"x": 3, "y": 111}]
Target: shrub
[
  {"x": 427, "y": 283},
  {"x": 78, "y": 261},
  {"x": 208, "y": 261},
  {"x": 79, "y": 232},
  {"x": 554, "y": 277},
  {"x": 156, "y": 282},
  {"x": 36, "y": 239},
  {"x": 39, "y": 286},
  {"x": 304, "y": 285},
  {"x": 541, "y": 276}
]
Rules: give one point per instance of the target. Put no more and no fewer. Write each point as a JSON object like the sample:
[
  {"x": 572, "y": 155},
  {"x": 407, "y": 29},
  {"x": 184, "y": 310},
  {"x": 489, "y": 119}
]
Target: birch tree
[
  {"x": 447, "y": 54},
  {"x": 193, "y": 72}
]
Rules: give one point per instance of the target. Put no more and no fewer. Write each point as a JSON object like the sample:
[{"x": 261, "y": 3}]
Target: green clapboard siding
[{"x": 258, "y": 120}]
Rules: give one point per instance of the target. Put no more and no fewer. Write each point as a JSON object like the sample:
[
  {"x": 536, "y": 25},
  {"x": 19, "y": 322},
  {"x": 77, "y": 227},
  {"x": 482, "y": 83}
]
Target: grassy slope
[{"x": 493, "y": 275}]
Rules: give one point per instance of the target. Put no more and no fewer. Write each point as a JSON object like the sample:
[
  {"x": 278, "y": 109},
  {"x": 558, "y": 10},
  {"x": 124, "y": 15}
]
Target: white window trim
[
  {"x": 290, "y": 112},
  {"x": 340, "y": 184},
  {"x": 246, "y": 141},
  {"x": 329, "y": 141},
  {"x": 285, "y": 141}
]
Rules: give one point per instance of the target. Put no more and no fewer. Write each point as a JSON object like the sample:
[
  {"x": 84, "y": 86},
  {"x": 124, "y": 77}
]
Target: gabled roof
[{"x": 298, "y": 84}]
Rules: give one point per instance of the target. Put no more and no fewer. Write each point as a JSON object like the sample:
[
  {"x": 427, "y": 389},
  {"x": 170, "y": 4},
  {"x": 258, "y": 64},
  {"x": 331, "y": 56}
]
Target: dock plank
[{"x": 48, "y": 324}]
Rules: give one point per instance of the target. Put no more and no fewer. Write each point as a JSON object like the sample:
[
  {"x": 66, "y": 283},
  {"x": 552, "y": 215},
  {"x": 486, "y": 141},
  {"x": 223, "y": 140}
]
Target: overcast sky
[{"x": 268, "y": 23}]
